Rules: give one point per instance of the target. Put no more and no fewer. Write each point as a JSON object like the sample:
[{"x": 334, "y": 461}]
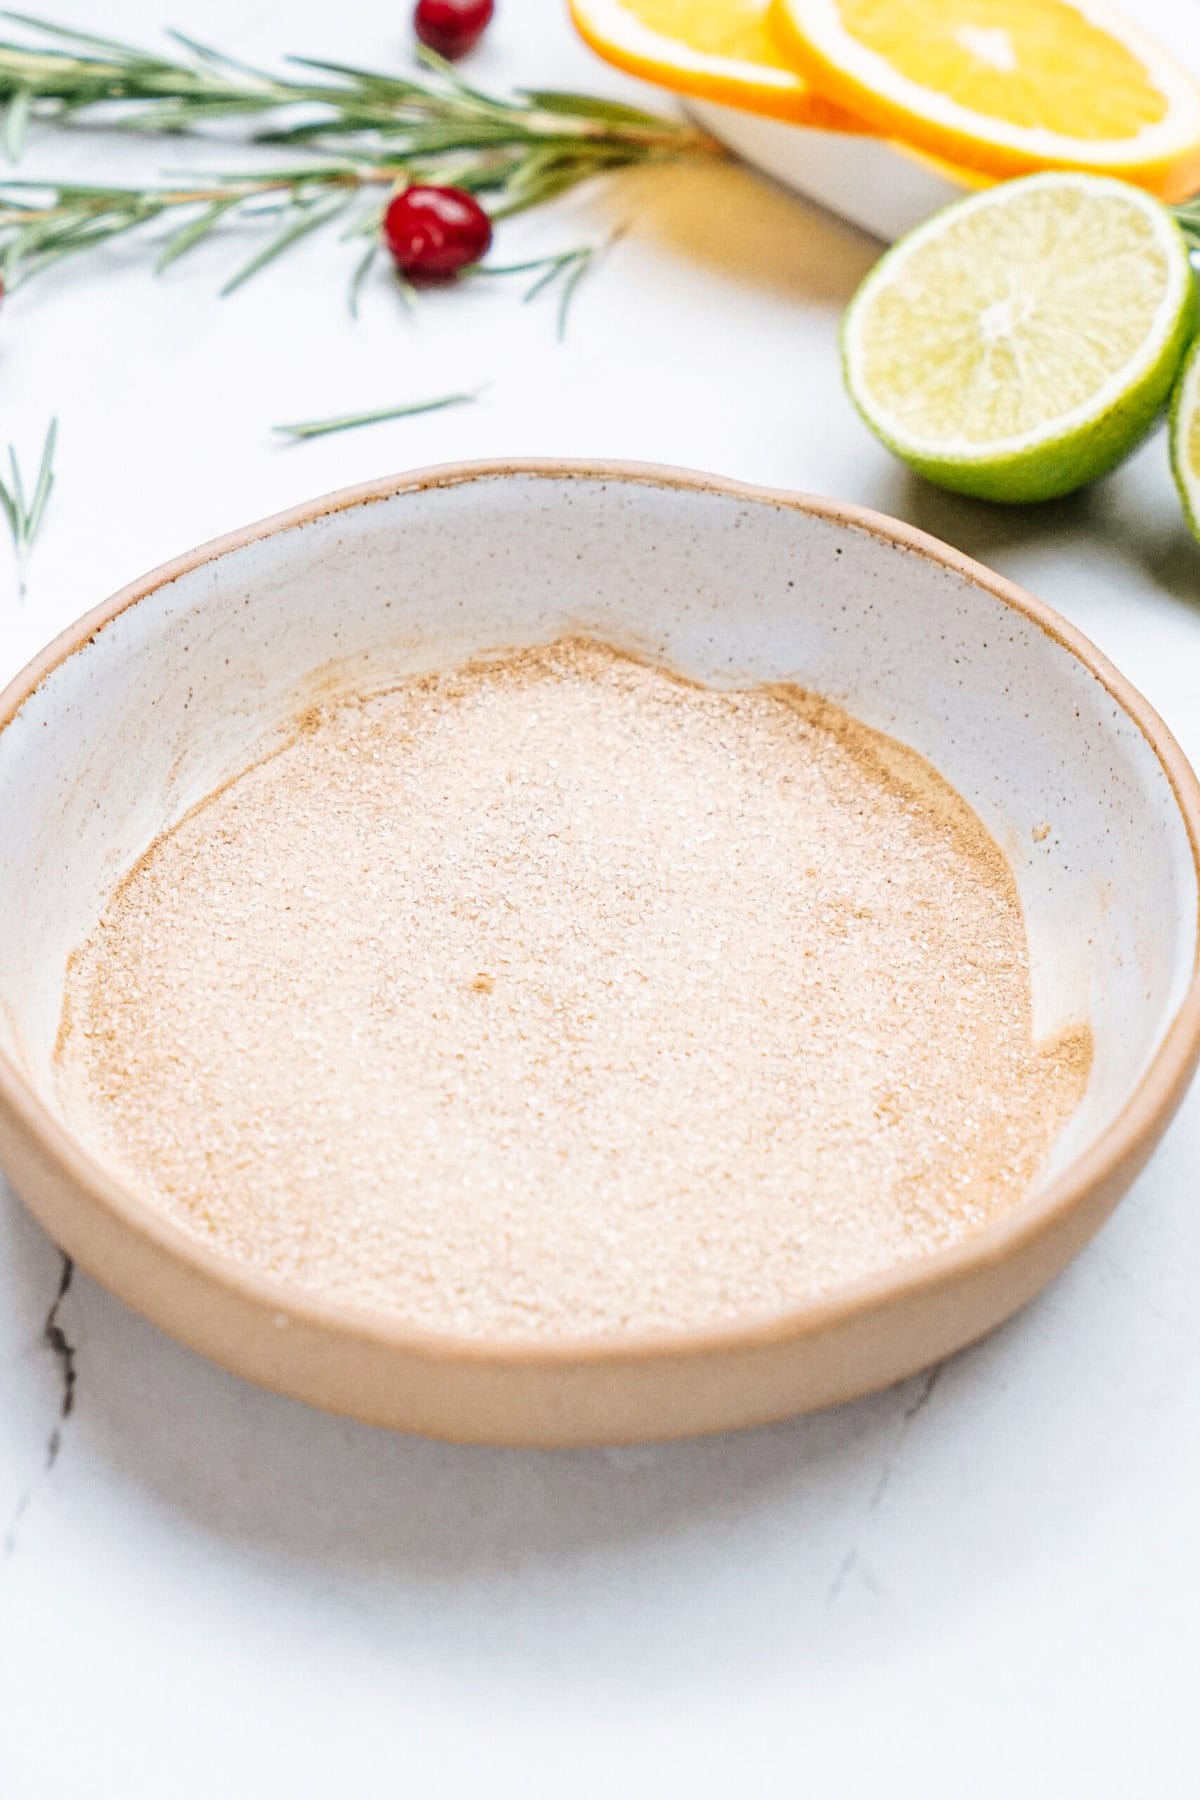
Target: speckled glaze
[{"x": 183, "y": 678}]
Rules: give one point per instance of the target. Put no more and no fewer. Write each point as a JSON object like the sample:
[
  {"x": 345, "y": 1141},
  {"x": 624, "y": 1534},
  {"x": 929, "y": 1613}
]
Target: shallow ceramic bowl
[{"x": 185, "y": 677}]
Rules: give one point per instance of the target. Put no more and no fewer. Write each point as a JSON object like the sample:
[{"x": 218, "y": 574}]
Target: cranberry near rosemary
[
  {"x": 434, "y": 233},
  {"x": 452, "y": 27}
]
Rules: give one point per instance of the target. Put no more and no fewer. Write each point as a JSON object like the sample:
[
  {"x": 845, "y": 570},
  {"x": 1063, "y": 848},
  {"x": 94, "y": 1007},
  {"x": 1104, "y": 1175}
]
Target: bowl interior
[{"x": 182, "y": 689}]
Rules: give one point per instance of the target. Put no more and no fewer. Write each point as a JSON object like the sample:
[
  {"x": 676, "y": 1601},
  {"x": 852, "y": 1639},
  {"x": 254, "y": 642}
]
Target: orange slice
[
  {"x": 1006, "y": 86},
  {"x": 715, "y": 49}
]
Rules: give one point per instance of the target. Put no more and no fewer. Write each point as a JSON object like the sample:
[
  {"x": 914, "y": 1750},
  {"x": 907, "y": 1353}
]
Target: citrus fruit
[
  {"x": 1006, "y": 86},
  {"x": 1021, "y": 342},
  {"x": 1185, "y": 438},
  {"x": 714, "y": 49}
]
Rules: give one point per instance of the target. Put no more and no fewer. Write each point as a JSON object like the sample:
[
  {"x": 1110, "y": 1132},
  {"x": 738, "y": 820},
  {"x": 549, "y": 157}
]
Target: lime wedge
[
  {"x": 1185, "y": 438},
  {"x": 1020, "y": 343}
]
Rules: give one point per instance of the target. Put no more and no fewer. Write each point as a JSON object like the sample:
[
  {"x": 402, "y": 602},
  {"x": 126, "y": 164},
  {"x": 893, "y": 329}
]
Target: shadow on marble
[
  {"x": 981, "y": 528},
  {"x": 743, "y": 226},
  {"x": 806, "y": 1542},
  {"x": 1124, "y": 518}
]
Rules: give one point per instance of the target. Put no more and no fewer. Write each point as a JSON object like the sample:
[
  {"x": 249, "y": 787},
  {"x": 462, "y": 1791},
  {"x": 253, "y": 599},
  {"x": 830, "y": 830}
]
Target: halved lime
[
  {"x": 1022, "y": 342},
  {"x": 1185, "y": 437}
]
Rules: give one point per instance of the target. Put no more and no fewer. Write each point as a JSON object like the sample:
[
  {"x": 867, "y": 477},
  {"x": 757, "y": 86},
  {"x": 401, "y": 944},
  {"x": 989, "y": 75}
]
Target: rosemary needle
[
  {"x": 314, "y": 428},
  {"x": 25, "y": 516},
  {"x": 569, "y": 266}
]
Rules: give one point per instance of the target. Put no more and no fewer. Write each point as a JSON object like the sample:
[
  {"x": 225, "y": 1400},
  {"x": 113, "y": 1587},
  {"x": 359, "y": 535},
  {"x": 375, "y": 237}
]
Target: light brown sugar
[{"x": 555, "y": 996}]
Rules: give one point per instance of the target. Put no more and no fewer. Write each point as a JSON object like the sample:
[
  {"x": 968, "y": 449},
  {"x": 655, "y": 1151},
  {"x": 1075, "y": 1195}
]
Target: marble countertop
[{"x": 983, "y": 1582}]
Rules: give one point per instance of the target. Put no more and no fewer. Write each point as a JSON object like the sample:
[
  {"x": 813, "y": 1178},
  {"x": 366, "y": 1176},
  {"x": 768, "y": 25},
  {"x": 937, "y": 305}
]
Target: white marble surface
[{"x": 984, "y": 1583}]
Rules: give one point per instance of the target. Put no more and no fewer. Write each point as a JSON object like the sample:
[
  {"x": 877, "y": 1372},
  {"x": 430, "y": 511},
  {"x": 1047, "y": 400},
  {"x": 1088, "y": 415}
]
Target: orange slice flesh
[
  {"x": 720, "y": 50},
  {"x": 1005, "y": 86}
]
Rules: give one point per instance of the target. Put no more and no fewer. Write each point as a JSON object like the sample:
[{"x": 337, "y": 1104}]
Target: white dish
[{"x": 880, "y": 186}]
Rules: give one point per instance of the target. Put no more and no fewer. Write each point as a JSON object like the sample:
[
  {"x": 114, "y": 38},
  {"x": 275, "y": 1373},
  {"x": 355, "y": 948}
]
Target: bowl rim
[{"x": 1122, "y": 1145}]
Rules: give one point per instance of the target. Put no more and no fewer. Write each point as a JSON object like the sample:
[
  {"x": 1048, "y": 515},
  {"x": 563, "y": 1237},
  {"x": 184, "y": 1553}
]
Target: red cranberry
[
  {"x": 434, "y": 233},
  {"x": 452, "y": 27}
]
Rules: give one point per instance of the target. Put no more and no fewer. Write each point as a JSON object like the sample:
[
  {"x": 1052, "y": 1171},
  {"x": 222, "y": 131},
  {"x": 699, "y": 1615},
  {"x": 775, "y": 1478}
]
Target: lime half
[
  {"x": 1185, "y": 438},
  {"x": 1021, "y": 342}
]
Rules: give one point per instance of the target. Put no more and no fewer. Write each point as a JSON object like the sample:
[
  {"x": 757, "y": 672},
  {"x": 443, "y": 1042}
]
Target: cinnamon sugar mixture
[{"x": 557, "y": 996}]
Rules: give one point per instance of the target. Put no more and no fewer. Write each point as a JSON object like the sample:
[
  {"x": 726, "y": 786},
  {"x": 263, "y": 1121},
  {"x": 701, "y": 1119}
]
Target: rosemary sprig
[
  {"x": 25, "y": 516},
  {"x": 43, "y": 222},
  {"x": 432, "y": 125},
  {"x": 370, "y": 133},
  {"x": 314, "y": 428}
]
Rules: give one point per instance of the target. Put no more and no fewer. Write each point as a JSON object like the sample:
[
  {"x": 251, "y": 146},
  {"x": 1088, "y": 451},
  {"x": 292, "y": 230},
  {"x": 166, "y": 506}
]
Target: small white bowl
[
  {"x": 882, "y": 186},
  {"x": 182, "y": 679}
]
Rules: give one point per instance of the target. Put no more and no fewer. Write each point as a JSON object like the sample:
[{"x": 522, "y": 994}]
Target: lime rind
[
  {"x": 1185, "y": 429},
  {"x": 1083, "y": 443}
]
